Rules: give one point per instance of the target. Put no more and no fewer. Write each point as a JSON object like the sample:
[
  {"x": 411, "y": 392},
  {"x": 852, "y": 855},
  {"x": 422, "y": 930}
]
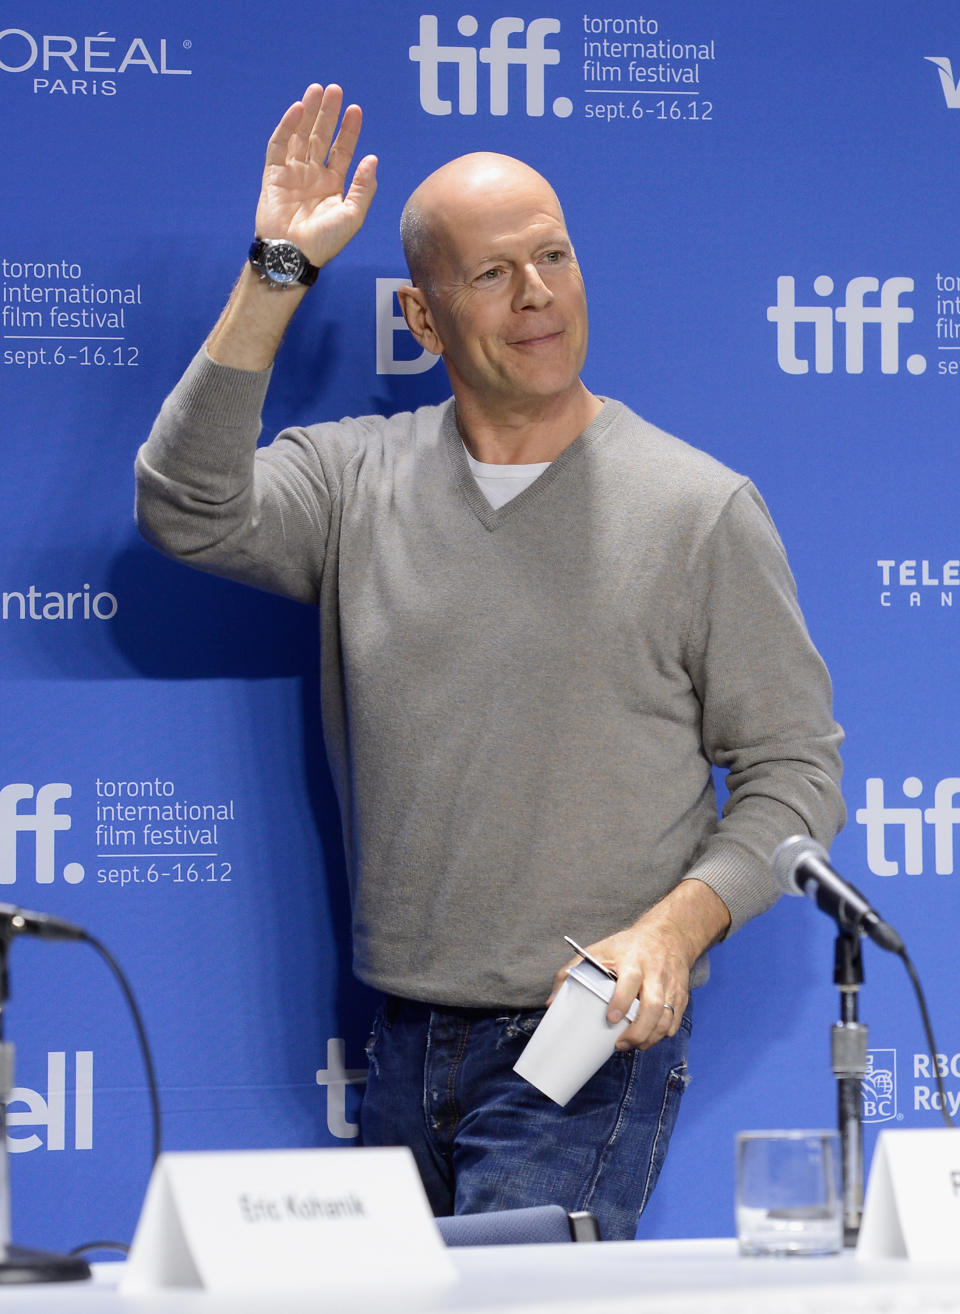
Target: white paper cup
[{"x": 574, "y": 1038}]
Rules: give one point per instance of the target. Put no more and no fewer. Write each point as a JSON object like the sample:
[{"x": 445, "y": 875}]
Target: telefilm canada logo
[
  {"x": 909, "y": 583},
  {"x": 515, "y": 52},
  {"x": 95, "y": 64}
]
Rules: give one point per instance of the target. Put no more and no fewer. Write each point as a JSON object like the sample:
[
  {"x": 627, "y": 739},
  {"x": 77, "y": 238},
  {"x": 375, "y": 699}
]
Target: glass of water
[{"x": 788, "y": 1193}]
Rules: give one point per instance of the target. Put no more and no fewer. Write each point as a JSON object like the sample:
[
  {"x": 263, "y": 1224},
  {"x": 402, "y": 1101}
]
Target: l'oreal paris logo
[{"x": 86, "y": 65}]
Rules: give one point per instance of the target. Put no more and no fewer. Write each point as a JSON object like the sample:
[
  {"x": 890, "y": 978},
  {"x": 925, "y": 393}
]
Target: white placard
[
  {"x": 305, "y": 1220},
  {"x": 912, "y": 1208}
]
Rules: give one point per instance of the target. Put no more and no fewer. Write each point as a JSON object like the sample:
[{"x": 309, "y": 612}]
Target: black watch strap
[{"x": 307, "y": 276}]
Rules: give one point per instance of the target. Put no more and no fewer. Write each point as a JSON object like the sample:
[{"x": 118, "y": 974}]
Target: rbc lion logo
[{"x": 879, "y": 1086}]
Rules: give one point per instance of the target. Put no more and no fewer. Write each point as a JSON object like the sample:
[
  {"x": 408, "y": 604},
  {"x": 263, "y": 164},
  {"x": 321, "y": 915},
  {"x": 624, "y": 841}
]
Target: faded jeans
[{"x": 441, "y": 1082}]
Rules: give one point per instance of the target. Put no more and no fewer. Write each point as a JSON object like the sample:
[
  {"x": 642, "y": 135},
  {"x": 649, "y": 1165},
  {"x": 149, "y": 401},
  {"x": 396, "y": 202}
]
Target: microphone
[
  {"x": 17, "y": 921},
  {"x": 802, "y": 866}
]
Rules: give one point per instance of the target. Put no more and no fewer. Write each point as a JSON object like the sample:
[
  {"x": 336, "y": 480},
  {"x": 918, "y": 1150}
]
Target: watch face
[{"x": 282, "y": 262}]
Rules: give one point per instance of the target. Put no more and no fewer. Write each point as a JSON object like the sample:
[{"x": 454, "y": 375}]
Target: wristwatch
[{"x": 281, "y": 264}]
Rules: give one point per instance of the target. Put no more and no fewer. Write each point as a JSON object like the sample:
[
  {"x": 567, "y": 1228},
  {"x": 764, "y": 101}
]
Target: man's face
[{"x": 507, "y": 298}]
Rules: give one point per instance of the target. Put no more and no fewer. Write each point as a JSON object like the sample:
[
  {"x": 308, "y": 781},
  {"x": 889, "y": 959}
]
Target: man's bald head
[
  {"x": 429, "y": 220},
  {"x": 497, "y": 289}
]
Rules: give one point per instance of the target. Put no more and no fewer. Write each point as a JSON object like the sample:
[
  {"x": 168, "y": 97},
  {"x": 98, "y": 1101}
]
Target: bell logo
[
  {"x": 854, "y": 314},
  {"x": 50, "y": 1111},
  {"x": 499, "y": 55},
  {"x": 390, "y": 327},
  {"x": 44, "y": 822}
]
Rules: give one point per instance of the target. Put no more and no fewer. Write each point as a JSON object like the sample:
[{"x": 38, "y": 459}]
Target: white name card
[
  {"x": 285, "y": 1220},
  {"x": 912, "y": 1207}
]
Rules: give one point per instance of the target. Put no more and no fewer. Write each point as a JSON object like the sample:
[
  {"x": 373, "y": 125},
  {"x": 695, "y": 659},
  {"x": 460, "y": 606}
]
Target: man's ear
[{"x": 419, "y": 318}]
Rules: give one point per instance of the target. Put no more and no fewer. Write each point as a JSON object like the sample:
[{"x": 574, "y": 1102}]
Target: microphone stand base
[{"x": 18, "y": 1264}]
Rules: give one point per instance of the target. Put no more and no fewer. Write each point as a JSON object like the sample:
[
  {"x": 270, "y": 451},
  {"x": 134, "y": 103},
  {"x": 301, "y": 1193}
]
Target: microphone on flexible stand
[
  {"x": 17, "y": 921},
  {"x": 18, "y": 1264},
  {"x": 802, "y": 866}
]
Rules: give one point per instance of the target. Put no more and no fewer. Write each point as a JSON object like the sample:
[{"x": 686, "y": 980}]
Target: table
[{"x": 624, "y": 1277}]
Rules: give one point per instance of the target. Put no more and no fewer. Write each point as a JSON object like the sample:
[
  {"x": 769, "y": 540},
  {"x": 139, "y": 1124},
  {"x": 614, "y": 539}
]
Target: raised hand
[
  {"x": 304, "y": 199},
  {"x": 304, "y": 196}
]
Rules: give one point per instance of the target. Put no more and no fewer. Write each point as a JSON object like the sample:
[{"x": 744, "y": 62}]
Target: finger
[
  {"x": 656, "y": 1019},
  {"x": 647, "y": 1028},
  {"x": 345, "y": 142},
  {"x": 679, "y": 1010},
  {"x": 283, "y": 133},
  {"x": 324, "y": 126},
  {"x": 298, "y": 143},
  {"x": 628, "y": 988},
  {"x": 364, "y": 184}
]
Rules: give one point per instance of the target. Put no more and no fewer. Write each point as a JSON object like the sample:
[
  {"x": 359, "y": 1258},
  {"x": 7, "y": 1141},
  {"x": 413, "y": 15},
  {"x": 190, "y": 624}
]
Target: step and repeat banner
[{"x": 764, "y": 201}]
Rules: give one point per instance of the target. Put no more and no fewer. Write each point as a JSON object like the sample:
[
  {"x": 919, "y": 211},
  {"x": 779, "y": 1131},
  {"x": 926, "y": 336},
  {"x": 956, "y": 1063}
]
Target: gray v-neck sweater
[{"x": 521, "y": 706}]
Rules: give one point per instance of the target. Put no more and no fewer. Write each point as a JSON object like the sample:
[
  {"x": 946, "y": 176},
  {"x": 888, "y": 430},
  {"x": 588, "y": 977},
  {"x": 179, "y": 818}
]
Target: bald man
[{"x": 543, "y": 620}]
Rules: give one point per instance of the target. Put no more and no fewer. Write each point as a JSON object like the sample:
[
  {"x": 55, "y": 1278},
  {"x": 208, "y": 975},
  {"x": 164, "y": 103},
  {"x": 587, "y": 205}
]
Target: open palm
[{"x": 304, "y": 198}]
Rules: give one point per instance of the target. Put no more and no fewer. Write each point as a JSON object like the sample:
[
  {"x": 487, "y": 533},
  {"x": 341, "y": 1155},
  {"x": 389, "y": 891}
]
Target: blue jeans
[{"x": 441, "y": 1082}]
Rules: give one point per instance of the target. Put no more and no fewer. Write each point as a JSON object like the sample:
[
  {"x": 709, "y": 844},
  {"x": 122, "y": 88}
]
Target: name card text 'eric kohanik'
[{"x": 286, "y": 1220}]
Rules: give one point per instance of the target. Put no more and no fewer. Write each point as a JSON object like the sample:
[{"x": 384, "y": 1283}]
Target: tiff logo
[
  {"x": 499, "y": 54},
  {"x": 336, "y": 1077},
  {"x": 878, "y": 817},
  {"x": 854, "y": 314},
  {"x": 43, "y": 822},
  {"x": 951, "y": 86}
]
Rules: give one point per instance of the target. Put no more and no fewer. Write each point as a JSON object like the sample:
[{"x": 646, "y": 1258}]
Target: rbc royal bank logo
[
  {"x": 878, "y": 1087},
  {"x": 530, "y": 55},
  {"x": 40, "y": 818},
  {"x": 854, "y": 314}
]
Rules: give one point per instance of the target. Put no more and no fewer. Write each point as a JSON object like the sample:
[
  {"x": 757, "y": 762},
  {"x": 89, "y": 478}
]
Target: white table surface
[{"x": 665, "y": 1277}]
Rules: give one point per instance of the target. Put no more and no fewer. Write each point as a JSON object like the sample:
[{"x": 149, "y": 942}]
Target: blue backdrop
[{"x": 764, "y": 202}]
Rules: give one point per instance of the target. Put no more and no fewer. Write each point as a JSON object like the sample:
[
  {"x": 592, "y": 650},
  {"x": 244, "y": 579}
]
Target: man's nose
[{"x": 532, "y": 292}]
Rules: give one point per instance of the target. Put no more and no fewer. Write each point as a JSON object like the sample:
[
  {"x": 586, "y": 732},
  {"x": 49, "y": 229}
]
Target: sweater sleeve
[
  {"x": 207, "y": 496},
  {"x": 767, "y": 706}
]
